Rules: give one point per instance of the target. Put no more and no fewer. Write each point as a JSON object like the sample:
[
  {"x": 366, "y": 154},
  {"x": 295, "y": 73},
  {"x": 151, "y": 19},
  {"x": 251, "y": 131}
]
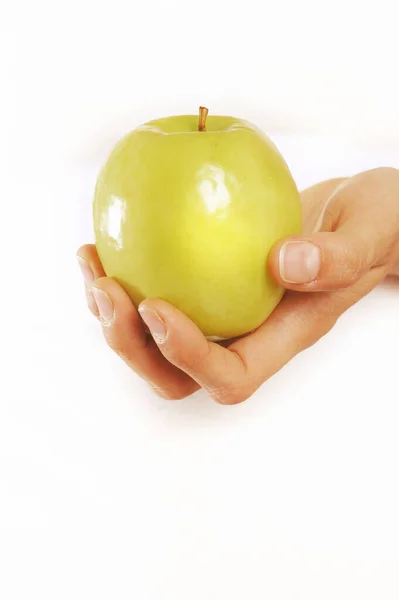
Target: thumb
[
  {"x": 323, "y": 261},
  {"x": 358, "y": 232}
]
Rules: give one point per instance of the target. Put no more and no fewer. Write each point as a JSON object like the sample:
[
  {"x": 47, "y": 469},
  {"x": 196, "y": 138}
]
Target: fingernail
[
  {"x": 154, "y": 323},
  {"x": 87, "y": 271},
  {"x": 104, "y": 304},
  {"x": 299, "y": 262}
]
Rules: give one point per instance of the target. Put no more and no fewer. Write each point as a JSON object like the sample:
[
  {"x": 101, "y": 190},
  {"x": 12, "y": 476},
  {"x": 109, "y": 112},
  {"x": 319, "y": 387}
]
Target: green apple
[{"x": 187, "y": 210}]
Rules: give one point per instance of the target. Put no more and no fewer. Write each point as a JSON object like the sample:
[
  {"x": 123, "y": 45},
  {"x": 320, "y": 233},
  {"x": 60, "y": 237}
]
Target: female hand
[{"x": 350, "y": 243}]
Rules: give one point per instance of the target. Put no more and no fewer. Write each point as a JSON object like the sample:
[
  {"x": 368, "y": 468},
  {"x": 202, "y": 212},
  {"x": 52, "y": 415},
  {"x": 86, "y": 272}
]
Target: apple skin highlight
[{"x": 187, "y": 208}]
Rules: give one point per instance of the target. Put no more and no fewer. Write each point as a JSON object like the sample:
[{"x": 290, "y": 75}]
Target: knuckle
[
  {"x": 229, "y": 394},
  {"x": 348, "y": 265},
  {"x": 169, "y": 394},
  {"x": 387, "y": 171}
]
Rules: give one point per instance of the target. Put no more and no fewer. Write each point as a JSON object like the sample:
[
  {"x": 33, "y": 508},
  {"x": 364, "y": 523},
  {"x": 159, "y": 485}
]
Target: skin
[{"x": 354, "y": 223}]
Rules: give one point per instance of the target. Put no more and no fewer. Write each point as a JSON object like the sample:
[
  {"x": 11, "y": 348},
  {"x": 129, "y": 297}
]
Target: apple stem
[{"x": 203, "y": 113}]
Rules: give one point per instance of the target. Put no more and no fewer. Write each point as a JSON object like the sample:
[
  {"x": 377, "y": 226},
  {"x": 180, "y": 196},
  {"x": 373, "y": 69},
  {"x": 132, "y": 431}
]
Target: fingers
[
  {"x": 91, "y": 268},
  {"x": 220, "y": 371},
  {"x": 125, "y": 334},
  {"x": 124, "y": 331},
  {"x": 359, "y": 229},
  {"x": 177, "y": 348}
]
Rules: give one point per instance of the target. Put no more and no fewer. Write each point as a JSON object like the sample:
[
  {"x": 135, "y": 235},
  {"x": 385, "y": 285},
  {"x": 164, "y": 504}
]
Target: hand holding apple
[{"x": 349, "y": 244}]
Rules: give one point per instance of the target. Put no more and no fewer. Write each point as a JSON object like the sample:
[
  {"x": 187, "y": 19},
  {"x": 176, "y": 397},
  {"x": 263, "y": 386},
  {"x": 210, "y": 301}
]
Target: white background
[{"x": 106, "y": 491}]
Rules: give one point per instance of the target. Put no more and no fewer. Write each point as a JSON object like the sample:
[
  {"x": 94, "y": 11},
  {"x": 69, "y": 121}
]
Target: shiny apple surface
[{"x": 190, "y": 216}]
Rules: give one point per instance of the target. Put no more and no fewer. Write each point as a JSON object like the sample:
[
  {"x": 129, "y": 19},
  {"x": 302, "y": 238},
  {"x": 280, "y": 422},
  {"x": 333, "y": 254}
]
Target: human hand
[{"x": 350, "y": 243}]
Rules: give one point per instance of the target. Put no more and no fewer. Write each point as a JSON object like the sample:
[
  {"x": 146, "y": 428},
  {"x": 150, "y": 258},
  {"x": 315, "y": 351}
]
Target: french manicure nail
[
  {"x": 154, "y": 323},
  {"x": 299, "y": 262},
  {"x": 104, "y": 304},
  {"x": 87, "y": 271}
]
